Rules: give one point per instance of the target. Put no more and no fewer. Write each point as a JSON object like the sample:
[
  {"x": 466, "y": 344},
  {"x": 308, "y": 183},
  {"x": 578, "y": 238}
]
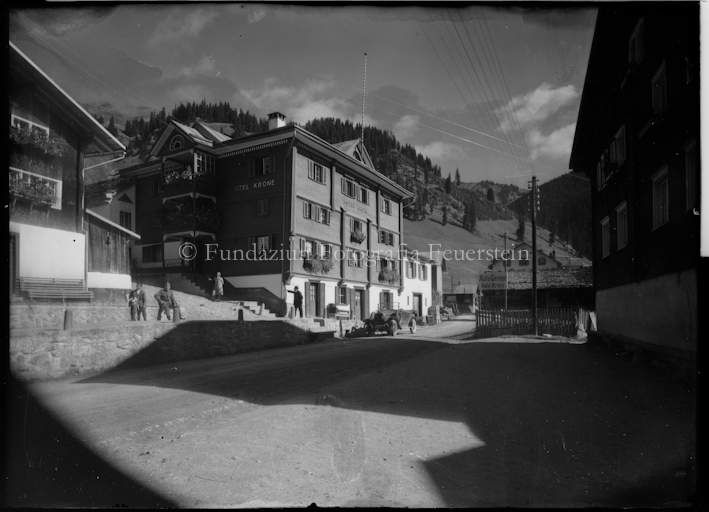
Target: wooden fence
[{"x": 556, "y": 321}]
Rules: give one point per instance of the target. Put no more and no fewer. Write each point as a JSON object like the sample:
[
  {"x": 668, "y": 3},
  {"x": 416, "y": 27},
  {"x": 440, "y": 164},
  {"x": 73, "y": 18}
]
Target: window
[
  {"x": 618, "y": 147},
  {"x": 157, "y": 221},
  {"x": 691, "y": 166},
  {"x": 356, "y": 226},
  {"x": 541, "y": 260},
  {"x": 660, "y": 198},
  {"x": 424, "y": 273},
  {"x": 385, "y": 237},
  {"x": 24, "y": 124},
  {"x": 261, "y": 166},
  {"x": 316, "y": 213},
  {"x": 342, "y": 295},
  {"x": 262, "y": 207},
  {"x": 154, "y": 187},
  {"x": 523, "y": 257},
  {"x": 152, "y": 253},
  {"x": 349, "y": 188},
  {"x": 606, "y": 236},
  {"x": 383, "y": 263},
  {"x": 411, "y": 269},
  {"x": 33, "y": 185},
  {"x": 659, "y": 91},
  {"x": 263, "y": 243},
  {"x": 317, "y": 172},
  {"x": 364, "y": 195},
  {"x": 205, "y": 164},
  {"x": 386, "y": 206},
  {"x": 635, "y": 45},
  {"x": 621, "y": 215},
  {"x": 177, "y": 142},
  {"x": 125, "y": 220},
  {"x": 355, "y": 259},
  {"x": 600, "y": 178},
  {"x": 326, "y": 251}
]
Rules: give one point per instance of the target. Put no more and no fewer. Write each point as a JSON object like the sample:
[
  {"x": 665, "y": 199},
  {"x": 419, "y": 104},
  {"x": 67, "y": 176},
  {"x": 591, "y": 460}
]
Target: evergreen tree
[
  {"x": 472, "y": 216},
  {"x": 491, "y": 195},
  {"x": 112, "y": 127},
  {"x": 445, "y": 215},
  {"x": 552, "y": 237},
  {"x": 448, "y": 184},
  {"x": 457, "y": 178}
]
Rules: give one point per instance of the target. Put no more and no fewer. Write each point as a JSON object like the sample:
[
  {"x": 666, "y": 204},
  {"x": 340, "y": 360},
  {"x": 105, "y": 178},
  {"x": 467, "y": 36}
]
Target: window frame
[
  {"x": 621, "y": 223},
  {"x": 154, "y": 250},
  {"x": 260, "y": 210},
  {"x": 179, "y": 139},
  {"x": 317, "y": 172},
  {"x": 31, "y": 124},
  {"x": 385, "y": 206},
  {"x": 660, "y": 216},
  {"x": 55, "y": 183},
  {"x": 659, "y": 77},
  {"x": 635, "y": 55},
  {"x": 121, "y": 215},
  {"x": 266, "y": 161}
]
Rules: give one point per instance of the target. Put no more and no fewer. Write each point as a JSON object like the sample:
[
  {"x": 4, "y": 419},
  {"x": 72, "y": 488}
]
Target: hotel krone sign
[{"x": 493, "y": 281}]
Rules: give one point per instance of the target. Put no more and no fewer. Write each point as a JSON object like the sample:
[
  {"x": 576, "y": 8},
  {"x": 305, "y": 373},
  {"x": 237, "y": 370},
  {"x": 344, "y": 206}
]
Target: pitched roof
[
  {"x": 356, "y": 150},
  {"x": 103, "y": 191},
  {"x": 209, "y": 133},
  {"x": 564, "y": 277},
  {"x": 102, "y": 141}
]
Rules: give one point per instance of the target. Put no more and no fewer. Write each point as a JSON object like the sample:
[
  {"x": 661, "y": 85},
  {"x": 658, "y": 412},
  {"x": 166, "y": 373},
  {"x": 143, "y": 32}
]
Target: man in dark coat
[
  {"x": 297, "y": 300},
  {"x": 166, "y": 301},
  {"x": 137, "y": 300}
]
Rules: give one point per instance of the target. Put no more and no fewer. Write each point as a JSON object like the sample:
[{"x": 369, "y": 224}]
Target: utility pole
[
  {"x": 533, "y": 208},
  {"x": 504, "y": 264}
]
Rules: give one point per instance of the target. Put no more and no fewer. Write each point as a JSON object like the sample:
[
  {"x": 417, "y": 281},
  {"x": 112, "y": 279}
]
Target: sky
[{"x": 492, "y": 90}]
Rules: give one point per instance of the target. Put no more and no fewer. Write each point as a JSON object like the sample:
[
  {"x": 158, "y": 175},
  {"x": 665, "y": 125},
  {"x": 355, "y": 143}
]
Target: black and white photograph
[{"x": 349, "y": 254}]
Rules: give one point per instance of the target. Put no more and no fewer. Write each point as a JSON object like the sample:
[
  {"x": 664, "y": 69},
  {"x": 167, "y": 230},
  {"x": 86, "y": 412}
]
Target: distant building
[
  {"x": 563, "y": 287},
  {"x": 637, "y": 138},
  {"x": 519, "y": 257},
  {"x": 53, "y": 143},
  {"x": 272, "y": 211}
]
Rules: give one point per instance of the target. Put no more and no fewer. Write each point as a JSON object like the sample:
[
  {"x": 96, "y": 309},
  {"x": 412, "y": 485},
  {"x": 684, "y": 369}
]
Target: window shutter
[
  {"x": 327, "y": 217},
  {"x": 391, "y": 238},
  {"x": 305, "y": 209},
  {"x": 307, "y": 299},
  {"x": 321, "y": 299},
  {"x": 381, "y": 299},
  {"x": 302, "y": 245},
  {"x": 379, "y": 264},
  {"x": 311, "y": 171},
  {"x": 350, "y": 296},
  {"x": 252, "y": 168},
  {"x": 352, "y": 224},
  {"x": 344, "y": 186},
  {"x": 325, "y": 172}
]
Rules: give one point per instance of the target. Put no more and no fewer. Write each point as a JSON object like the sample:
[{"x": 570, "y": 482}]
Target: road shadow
[
  {"x": 560, "y": 424},
  {"x": 46, "y": 466}
]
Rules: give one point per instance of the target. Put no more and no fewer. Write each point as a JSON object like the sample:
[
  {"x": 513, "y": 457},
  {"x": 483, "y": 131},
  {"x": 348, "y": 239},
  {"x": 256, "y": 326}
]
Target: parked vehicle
[{"x": 390, "y": 319}]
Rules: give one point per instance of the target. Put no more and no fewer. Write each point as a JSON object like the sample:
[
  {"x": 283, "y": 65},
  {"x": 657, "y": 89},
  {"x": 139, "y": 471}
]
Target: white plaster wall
[
  {"x": 112, "y": 281},
  {"x": 271, "y": 282},
  {"x": 660, "y": 311},
  {"x": 412, "y": 286},
  {"x": 50, "y": 253}
]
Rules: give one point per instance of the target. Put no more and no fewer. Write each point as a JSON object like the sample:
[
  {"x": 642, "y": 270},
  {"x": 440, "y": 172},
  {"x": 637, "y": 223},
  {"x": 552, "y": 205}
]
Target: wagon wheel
[
  {"x": 412, "y": 325},
  {"x": 392, "y": 327}
]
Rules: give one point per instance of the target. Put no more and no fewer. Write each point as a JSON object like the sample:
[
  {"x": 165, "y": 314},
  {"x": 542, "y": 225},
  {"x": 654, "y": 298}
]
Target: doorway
[
  {"x": 417, "y": 303},
  {"x": 358, "y": 306},
  {"x": 314, "y": 299}
]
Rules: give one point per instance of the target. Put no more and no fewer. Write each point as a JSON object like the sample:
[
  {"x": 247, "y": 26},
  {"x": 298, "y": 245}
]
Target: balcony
[
  {"x": 180, "y": 218},
  {"x": 180, "y": 181}
]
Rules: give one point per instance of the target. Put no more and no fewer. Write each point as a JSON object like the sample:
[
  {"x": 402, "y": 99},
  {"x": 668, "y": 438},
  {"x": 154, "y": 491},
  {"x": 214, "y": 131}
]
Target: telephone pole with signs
[
  {"x": 504, "y": 263},
  {"x": 533, "y": 209}
]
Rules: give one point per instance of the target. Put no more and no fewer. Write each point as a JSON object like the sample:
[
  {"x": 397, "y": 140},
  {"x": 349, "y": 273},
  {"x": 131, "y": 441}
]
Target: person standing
[
  {"x": 297, "y": 300},
  {"x": 166, "y": 301},
  {"x": 137, "y": 301},
  {"x": 218, "y": 287}
]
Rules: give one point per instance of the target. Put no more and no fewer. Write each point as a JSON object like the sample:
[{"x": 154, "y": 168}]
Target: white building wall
[
  {"x": 271, "y": 282},
  {"x": 417, "y": 285},
  {"x": 50, "y": 253},
  {"x": 111, "y": 281}
]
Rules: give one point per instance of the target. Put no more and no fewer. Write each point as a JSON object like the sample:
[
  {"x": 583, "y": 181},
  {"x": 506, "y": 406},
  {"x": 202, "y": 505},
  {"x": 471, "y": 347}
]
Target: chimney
[{"x": 276, "y": 120}]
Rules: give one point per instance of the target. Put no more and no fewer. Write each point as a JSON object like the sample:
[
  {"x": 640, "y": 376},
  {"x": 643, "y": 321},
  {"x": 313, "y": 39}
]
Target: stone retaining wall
[{"x": 37, "y": 355}]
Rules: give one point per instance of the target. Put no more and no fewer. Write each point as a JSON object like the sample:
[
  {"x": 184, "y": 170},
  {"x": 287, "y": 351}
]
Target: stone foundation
[{"x": 37, "y": 355}]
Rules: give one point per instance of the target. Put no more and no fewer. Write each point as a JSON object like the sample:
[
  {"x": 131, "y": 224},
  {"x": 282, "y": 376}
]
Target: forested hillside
[{"x": 565, "y": 210}]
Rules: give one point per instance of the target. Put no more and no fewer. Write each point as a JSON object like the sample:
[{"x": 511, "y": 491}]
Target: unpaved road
[{"x": 418, "y": 424}]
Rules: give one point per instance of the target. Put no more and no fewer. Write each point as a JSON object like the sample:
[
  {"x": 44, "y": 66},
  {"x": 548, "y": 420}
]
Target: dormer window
[{"x": 177, "y": 142}]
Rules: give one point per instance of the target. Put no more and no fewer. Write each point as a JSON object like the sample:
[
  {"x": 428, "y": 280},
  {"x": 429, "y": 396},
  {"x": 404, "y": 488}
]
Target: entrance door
[
  {"x": 417, "y": 303},
  {"x": 386, "y": 300},
  {"x": 359, "y": 305},
  {"x": 314, "y": 299}
]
